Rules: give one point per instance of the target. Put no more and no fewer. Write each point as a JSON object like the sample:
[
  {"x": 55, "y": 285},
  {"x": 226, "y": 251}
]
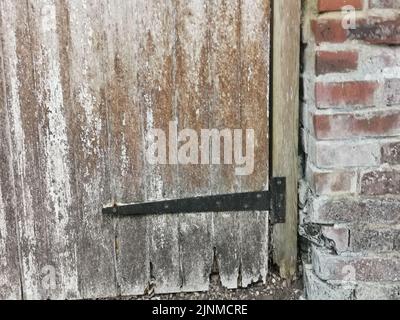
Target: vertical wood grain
[
  {"x": 285, "y": 96},
  {"x": 254, "y": 101},
  {"x": 156, "y": 92},
  {"x": 10, "y": 286},
  {"x": 32, "y": 159},
  {"x": 20, "y": 97},
  {"x": 193, "y": 89},
  {"x": 54, "y": 161},
  {"x": 96, "y": 240},
  {"x": 225, "y": 114},
  {"x": 124, "y": 37}
]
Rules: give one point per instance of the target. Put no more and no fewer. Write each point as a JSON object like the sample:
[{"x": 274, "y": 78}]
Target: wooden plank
[
  {"x": 254, "y": 100},
  {"x": 285, "y": 96},
  {"x": 10, "y": 282},
  {"x": 193, "y": 91},
  {"x": 90, "y": 142},
  {"x": 124, "y": 37},
  {"x": 86, "y": 83},
  {"x": 15, "y": 33},
  {"x": 225, "y": 114},
  {"x": 53, "y": 156},
  {"x": 156, "y": 92},
  {"x": 26, "y": 116}
]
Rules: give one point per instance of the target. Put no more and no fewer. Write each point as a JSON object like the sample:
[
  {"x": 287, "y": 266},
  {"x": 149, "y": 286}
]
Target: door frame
[{"x": 286, "y": 40}]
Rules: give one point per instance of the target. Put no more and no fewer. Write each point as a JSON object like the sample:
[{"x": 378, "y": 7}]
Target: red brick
[
  {"x": 346, "y": 146},
  {"x": 338, "y": 62},
  {"x": 335, "y": 5},
  {"x": 355, "y": 210},
  {"x": 372, "y": 239},
  {"x": 329, "y": 31},
  {"x": 330, "y": 267},
  {"x": 391, "y": 153},
  {"x": 392, "y": 92},
  {"x": 342, "y": 94},
  {"x": 382, "y": 59},
  {"x": 377, "y": 30},
  {"x": 351, "y": 125},
  {"x": 316, "y": 289},
  {"x": 339, "y": 237},
  {"x": 374, "y": 30},
  {"x": 384, "y": 4},
  {"x": 344, "y": 154},
  {"x": 334, "y": 182},
  {"x": 384, "y": 291},
  {"x": 380, "y": 183}
]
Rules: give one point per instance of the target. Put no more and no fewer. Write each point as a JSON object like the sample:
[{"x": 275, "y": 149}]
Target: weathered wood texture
[
  {"x": 10, "y": 286},
  {"x": 225, "y": 113},
  {"x": 124, "y": 40},
  {"x": 82, "y": 85},
  {"x": 90, "y": 133},
  {"x": 285, "y": 97},
  {"x": 193, "y": 87},
  {"x": 254, "y": 100}
]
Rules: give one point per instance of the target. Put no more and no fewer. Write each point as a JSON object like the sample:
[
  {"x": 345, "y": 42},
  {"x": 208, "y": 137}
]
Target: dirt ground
[{"x": 275, "y": 289}]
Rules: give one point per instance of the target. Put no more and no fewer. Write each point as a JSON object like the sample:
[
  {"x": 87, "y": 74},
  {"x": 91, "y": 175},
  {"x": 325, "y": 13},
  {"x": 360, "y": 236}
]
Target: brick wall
[{"x": 350, "y": 197}]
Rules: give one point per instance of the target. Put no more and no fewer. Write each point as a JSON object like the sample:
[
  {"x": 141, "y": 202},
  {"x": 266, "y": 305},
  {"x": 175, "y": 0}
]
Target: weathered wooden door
[{"x": 83, "y": 85}]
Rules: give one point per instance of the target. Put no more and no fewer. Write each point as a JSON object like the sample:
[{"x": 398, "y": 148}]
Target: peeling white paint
[
  {"x": 155, "y": 181},
  {"x": 253, "y": 17},
  {"x": 25, "y": 222},
  {"x": 92, "y": 239},
  {"x": 3, "y": 235},
  {"x": 124, "y": 158},
  {"x": 83, "y": 41},
  {"x": 50, "y": 96}
]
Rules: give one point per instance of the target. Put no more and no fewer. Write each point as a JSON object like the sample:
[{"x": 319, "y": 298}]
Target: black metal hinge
[{"x": 273, "y": 201}]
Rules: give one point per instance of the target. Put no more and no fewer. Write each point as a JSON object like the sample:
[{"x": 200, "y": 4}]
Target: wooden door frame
[{"x": 286, "y": 25}]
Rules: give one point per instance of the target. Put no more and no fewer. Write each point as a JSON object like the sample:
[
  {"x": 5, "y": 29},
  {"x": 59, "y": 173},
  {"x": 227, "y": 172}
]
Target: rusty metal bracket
[{"x": 273, "y": 201}]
